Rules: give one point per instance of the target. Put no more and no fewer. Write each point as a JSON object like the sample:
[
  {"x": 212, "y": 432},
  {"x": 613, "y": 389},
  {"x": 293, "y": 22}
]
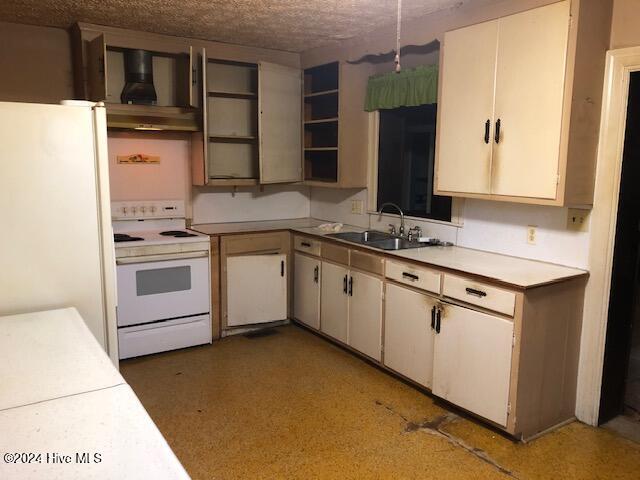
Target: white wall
[
  {"x": 492, "y": 226},
  {"x": 250, "y": 204},
  {"x": 168, "y": 180}
]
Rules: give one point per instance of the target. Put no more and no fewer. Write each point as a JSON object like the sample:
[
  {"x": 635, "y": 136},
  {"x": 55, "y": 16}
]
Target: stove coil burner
[
  {"x": 177, "y": 234},
  {"x": 123, "y": 237}
]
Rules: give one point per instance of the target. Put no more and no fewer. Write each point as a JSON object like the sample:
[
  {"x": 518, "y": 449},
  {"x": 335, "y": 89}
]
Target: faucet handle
[
  {"x": 414, "y": 232},
  {"x": 392, "y": 229}
]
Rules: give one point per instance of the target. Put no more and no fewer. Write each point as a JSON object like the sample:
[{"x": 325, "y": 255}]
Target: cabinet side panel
[
  {"x": 549, "y": 351},
  {"x": 594, "y": 27}
]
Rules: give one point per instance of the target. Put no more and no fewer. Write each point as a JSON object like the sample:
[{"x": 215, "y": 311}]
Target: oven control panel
[{"x": 142, "y": 209}]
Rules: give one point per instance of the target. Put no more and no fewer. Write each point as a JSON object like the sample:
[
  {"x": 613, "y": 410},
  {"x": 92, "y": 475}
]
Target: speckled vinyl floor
[{"x": 291, "y": 405}]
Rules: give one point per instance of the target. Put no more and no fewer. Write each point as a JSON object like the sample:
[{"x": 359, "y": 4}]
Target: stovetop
[{"x": 157, "y": 237}]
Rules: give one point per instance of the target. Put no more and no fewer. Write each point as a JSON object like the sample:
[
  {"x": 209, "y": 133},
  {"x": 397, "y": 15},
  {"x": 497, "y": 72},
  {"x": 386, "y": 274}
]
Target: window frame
[{"x": 457, "y": 203}]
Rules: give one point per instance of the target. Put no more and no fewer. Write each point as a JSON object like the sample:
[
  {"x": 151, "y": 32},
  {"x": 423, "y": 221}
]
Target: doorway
[{"x": 620, "y": 391}]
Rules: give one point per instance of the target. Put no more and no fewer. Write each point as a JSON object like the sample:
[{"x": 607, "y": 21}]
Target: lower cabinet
[
  {"x": 408, "y": 335},
  {"x": 365, "y": 314},
  {"x": 306, "y": 287},
  {"x": 472, "y": 361},
  {"x": 334, "y": 301},
  {"x": 261, "y": 278}
]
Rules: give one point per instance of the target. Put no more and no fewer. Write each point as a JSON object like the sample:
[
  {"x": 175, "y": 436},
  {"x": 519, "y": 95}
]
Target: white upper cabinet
[
  {"x": 465, "y": 122},
  {"x": 529, "y": 91},
  {"x": 251, "y": 124},
  {"x": 511, "y": 125}
]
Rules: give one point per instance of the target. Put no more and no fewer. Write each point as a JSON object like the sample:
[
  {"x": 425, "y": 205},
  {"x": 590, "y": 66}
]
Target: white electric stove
[{"x": 163, "y": 272}]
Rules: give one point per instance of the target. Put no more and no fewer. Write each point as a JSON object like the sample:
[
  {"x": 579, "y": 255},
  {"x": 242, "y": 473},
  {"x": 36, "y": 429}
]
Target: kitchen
[{"x": 292, "y": 234}]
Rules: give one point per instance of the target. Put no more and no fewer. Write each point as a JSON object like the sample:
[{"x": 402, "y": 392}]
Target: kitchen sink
[{"x": 380, "y": 240}]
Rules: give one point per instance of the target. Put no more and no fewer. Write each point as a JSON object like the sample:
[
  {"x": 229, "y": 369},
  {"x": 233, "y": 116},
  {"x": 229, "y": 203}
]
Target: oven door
[{"x": 162, "y": 287}]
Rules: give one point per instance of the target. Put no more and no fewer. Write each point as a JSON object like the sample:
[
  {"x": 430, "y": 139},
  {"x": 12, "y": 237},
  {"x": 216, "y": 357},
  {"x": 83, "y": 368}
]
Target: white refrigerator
[{"x": 56, "y": 241}]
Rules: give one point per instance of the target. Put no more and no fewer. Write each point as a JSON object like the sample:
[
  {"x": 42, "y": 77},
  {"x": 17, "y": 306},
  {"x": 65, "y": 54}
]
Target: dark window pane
[{"x": 406, "y": 150}]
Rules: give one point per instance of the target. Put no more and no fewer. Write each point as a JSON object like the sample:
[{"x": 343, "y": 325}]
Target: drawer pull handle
[
  {"x": 411, "y": 276},
  {"x": 305, "y": 244},
  {"x": 477, "y": 293}
]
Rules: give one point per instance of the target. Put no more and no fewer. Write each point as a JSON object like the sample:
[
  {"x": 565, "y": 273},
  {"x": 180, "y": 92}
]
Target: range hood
[
  {"x": 138, "y": 73},
  {"x": 139, "y": 109}
]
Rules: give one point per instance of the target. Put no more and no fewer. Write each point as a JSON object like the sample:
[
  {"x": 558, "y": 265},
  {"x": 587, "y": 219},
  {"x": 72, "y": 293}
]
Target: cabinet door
[
  {"x": 334, "y": 305},
  {"x": 408, "y": 336},
  {"x": 472, "y": 361},
  {"x": 279, "y": 123},
  {"x": 466, "y": 105},
  {"x": 256, "y": 289},
  {"x": 97, "y": 69},
  {"x": 306, "y": 290},
  {"x": 530, "y": 76},
  {"x": 365, "y": 314},
  {"x": 200, "y": 140}
]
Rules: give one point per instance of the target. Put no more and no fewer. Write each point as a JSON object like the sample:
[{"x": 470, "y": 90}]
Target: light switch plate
[
  {"x": 578, "y": 219},
  {"x": 357, "y": 207}
]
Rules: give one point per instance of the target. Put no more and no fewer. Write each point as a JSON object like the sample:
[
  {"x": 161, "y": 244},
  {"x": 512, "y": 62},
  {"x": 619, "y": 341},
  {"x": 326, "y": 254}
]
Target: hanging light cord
[{"x": 398, "y": 28}]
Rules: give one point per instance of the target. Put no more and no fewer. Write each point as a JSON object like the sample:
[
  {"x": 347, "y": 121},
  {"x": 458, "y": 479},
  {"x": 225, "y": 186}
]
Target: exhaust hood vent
[{"x": 138, "y": 72}]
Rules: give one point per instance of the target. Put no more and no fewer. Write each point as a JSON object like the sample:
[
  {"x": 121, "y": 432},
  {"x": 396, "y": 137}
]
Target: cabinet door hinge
[
  {"x": 513, "y": 340},
  {"x": 509, "y": 408},
  {"x": 558, "y": 179}
]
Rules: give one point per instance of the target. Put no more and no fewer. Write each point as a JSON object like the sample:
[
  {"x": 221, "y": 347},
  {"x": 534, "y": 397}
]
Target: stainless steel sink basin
[
  {"x": 395, "y": 244},
  {"x": 365, "y": 237},
  {"x": 376, "y": 239}
]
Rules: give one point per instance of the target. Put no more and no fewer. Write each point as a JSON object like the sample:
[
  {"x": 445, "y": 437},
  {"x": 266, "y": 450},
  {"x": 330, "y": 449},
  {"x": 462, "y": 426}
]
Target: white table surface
[
  {"x": 111, "y": 423},
  {"x": 46, "y": 355}
]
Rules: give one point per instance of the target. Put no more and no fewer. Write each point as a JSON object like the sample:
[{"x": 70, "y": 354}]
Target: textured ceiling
[{"x": 293, "y": 25}]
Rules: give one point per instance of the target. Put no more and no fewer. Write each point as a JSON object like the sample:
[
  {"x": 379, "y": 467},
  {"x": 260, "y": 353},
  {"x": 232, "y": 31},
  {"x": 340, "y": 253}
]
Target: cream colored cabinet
[
  {"x": 472, "y": 361},
  {"x": 334, "y": 301},
  {"x": 507, "y": 127},
  {"x": 408, "y": 334},
  {"x": 365, "y": 314},
  {"x": 466, "y": 109},
  {"x": 306, "y": 290},
  {"x": 263, "y": 280},
  {"x": 251, "y": 124}
]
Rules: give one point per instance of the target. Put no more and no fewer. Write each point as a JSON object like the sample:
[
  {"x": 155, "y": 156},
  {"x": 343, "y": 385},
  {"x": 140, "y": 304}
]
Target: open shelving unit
[
  {"x": 232, "y": 122},
  {"x": 320, "y": 123}
]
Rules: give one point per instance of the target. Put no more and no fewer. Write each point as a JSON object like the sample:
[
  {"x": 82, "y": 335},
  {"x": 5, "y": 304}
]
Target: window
[{"x": 406, "y": 150}]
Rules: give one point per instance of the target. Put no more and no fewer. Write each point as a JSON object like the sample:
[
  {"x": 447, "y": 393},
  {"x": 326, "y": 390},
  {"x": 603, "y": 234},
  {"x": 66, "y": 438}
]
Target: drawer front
[
  {"x": 367, "y": 262},
  {"x": 335, "y": 253},
  {"x": 307, "y": 245},
  {"x": 480, "y": 294},
  {"x": 254, "y": 243},
  {"x": 414, "y": 276}
]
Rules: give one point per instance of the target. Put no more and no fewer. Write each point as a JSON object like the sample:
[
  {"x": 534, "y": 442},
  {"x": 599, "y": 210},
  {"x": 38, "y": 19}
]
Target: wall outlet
[
  {"x": 578, "y": 219},
  {"x": 531, "y": 234},
  {"x": 357, "y": 207}
]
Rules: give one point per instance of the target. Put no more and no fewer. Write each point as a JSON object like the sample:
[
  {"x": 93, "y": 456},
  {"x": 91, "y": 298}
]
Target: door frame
[{"x": 619, "y": 66}]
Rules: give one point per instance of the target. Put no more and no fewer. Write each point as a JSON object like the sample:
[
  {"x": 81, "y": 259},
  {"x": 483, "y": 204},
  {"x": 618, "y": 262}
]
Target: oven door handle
[{"x": 161, "y": 258}]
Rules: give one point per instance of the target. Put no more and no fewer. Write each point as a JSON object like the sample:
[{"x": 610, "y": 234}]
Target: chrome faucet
[{"x": 390, "y": 204}]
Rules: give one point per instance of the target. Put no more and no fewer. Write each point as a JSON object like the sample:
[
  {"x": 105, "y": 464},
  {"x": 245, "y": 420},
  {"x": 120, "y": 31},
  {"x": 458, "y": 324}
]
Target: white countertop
[
  {"x": 51, "y": 354},
  {"x": 60, "y": 393},
  {"x": 110, "y": 423},
  {"x": 513, "y": 271}
]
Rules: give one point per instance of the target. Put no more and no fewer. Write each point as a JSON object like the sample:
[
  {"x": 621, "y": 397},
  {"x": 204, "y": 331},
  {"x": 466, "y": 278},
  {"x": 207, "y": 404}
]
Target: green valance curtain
[{"x": 409, "y": 88}]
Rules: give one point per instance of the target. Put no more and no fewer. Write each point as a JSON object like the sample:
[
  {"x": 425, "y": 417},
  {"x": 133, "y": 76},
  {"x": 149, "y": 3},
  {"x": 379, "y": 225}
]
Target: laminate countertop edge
[{"x": 509, "y": 271}]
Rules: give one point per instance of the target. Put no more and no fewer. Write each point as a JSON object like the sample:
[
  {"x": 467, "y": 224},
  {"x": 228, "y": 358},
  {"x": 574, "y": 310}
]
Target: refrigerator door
[{"x": 56, "y": 247}]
